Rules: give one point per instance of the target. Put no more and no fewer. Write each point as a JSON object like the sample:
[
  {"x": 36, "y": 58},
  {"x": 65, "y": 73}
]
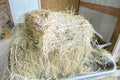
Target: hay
[{"x": 52, "y": 45}]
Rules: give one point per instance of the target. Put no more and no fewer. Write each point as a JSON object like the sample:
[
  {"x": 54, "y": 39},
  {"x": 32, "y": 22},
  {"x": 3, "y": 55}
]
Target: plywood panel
[
  {"x": 2, "y": 6},
  {"x": 5, "y": 13},
  {"x": 115, "y": 35},
  {"x": 110, "y": 11},
  {"x": 112, "y": 3},
  {"x": 105, "y": 9},
  {"x": 60, "y": 4},
  {"x": 3, "y": 1},
  {"x": 103, "y": 23}
]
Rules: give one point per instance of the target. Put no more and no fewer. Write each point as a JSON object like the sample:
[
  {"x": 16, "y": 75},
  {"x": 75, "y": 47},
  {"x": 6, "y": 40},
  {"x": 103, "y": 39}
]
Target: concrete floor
[
  {"x": 118, "y": 78},
  {"x": 4, "y": 59}
]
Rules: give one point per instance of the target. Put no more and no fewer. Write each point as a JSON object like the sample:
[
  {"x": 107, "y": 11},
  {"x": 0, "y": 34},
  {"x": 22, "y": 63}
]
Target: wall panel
[{"x": 103, "y": 23}]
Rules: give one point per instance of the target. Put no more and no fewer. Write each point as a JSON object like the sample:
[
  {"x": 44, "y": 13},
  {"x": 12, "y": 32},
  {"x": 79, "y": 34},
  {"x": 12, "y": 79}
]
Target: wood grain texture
[
  {"x": 9, "y": 12},
  {"x": 60, "y": 5},
  {"x": 3, "y": 1},
  {"x": 5, "y": 12},
  {"x": 115, "y": 35},
  {"x": 2, "y": 6},
  {"x": 110, "y": 11},
  {"x": 104, "y": 9}
]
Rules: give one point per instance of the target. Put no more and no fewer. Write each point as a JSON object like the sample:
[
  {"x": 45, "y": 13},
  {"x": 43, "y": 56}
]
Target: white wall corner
[{"x": 19, "y": 7}]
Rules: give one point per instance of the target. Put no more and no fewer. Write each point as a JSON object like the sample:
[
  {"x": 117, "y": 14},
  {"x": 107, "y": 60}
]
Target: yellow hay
[{"x": 52, "y": 45}]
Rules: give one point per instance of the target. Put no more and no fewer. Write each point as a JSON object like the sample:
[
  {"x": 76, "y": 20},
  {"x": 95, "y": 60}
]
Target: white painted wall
[{"x": 19, "y": 7}]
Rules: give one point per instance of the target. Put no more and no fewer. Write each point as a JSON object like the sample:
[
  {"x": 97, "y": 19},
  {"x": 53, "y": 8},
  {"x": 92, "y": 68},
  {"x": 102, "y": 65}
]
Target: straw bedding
[{"x": 54, "y": 45}]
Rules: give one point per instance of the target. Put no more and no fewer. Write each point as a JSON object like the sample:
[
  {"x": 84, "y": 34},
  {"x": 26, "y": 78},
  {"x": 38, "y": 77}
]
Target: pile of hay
[{"x": 53, "y": 45}]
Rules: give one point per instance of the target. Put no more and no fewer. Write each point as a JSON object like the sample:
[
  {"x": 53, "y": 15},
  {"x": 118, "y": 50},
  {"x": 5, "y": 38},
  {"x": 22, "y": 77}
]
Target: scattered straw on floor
[{"x": 52, "y": 45}]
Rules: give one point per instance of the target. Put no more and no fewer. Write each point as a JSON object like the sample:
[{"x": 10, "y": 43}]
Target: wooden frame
[
  {"x": 9, "y": 10},
  {"x": 5, "y": 4},
  {"x": 60, "y": 5},
  {"x": 107, "y": 10}
]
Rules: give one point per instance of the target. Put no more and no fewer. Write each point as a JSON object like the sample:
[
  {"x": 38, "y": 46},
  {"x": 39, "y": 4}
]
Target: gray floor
[{"x": 118, "y": 78}]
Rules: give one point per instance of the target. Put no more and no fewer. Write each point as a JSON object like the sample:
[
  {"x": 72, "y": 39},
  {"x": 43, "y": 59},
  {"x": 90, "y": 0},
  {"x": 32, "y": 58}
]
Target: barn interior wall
[{"x": 103, "y": 23}]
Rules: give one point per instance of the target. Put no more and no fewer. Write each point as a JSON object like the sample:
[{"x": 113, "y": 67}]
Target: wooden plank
[
  {"x": 101, "y": 8},
  {"x": 60, "y": 5},
  {"x": 9, "y": 12},
  {"x": 115, "y": 35},
  {"x": 107, "y": 10},
  {"x": 3, "y": 1},
  {"x": 5, "y": 9},
  {"x": 118, "y": 65},
  {"x": 2, "y": 5}
]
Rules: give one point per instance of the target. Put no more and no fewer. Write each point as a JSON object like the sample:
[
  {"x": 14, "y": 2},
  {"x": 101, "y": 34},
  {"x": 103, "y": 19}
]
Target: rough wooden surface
[
  {"x": 110, "y": 11},
  {"x": 115, "y": 35},
  {"x": 60, "y": 4},
  {"x": 104, "y": 9},
  {"x": 5, "y": 12}
]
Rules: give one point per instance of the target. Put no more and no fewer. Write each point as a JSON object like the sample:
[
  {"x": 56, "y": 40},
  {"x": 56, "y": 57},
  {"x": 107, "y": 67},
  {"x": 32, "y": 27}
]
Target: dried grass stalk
[{"x": 51, "y": 45}]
